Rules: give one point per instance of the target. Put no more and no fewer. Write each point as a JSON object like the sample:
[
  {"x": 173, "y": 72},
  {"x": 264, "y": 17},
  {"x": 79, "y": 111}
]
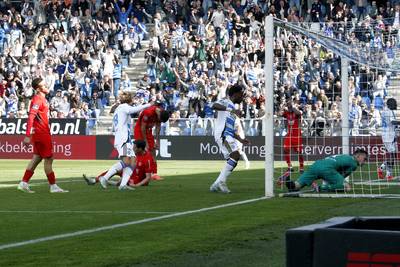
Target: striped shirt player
[
  {"x": 389, "y": 130},
  {"x": 122, "y": 128},
  {"x": 226, "y": 136},
  {"x": 389, "y": 124},
  {"x": 224, "y": 133}
]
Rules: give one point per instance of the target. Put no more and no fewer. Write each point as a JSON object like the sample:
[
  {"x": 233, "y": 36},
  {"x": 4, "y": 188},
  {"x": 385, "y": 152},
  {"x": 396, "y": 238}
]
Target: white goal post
[{"x": 365, "y": 183}]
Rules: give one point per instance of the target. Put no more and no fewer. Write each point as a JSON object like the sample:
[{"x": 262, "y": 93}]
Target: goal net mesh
[{"x": 308, "y": 77}]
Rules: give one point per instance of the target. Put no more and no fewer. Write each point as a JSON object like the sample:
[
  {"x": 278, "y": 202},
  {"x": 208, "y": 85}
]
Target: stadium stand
[{"x": 186, "y": 53}]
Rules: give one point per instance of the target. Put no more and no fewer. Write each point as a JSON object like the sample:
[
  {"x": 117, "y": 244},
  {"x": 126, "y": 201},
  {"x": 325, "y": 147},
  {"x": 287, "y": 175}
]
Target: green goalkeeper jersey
[
  {"x": 344, "y": 164},
  {"x": 331, "y": 169}
]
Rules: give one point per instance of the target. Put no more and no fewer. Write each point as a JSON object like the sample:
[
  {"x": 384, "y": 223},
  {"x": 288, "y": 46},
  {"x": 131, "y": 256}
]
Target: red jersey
[
  {"x": 148, "y": 116},
  {"x": 293, "y": 123},
  {"x": 38, "y": 119},
  {"x": 143, "y": 166}
]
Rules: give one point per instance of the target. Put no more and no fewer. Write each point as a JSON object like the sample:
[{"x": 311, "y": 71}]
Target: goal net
[{"x": 331, "y": 84}]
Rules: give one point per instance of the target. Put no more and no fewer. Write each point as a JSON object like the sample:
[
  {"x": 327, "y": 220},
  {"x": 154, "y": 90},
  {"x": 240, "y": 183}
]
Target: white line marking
[
  {"x": 85, "y": 211},
  {"x": 383, "y": 183},
  {"x": 120, "y": 225},
  {"x": 42, "y": 183}
]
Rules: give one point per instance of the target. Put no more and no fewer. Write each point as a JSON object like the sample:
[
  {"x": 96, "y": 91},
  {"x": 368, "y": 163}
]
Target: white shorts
[
  {"x": 227, "y": 146},
  {"x": 125, "y": 150},
  {"x": 391, "y": 147}
]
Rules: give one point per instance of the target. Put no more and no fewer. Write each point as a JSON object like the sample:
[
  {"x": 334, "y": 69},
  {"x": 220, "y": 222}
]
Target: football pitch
[{"x": 174, "y": 222}]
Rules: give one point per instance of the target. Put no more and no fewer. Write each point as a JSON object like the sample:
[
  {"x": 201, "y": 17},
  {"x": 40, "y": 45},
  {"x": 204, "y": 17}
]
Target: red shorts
[
  {"x": 295, "y": 143},
  {"x": 42, "y": 145},
  {"x": 135, "y": 179}
]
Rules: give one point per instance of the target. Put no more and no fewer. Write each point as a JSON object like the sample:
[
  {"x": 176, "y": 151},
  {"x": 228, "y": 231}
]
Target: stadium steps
[{"x": 136, "y": 69}]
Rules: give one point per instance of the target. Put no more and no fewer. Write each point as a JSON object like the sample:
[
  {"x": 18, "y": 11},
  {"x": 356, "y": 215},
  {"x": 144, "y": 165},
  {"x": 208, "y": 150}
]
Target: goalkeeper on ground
[{"x": 332, "y": 170}]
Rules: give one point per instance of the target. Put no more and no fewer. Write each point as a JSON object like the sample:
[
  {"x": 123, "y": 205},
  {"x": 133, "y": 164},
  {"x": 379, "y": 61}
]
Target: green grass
[{"x": 246, "y": 235}]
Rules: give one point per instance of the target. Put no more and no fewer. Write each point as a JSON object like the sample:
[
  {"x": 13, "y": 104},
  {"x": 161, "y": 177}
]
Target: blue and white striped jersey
[{"x": 225, "y": 122}]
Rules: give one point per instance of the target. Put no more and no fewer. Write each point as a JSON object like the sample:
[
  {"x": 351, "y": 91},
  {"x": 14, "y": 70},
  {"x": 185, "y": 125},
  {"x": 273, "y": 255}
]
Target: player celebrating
[
  {"x": 148, "y": 118},
  {"x": 332, "y": 170},
  {"x": 122, "y": 140},
  {"x": 389, "y": 124},
  {"x": 141, "y": 175},
  {"x": 38, "y": 133},
  {"x": 225, "y": 135},
  {"x": 293, "y": 138}
]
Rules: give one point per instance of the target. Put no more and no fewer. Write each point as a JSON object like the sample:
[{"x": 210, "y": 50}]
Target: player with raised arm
[
  {"x": 149, "y": 118},
  {"x": 38, "y": 133},
  {"x": 389, "y": 124},
  {"x": 122, "y": 140},
  {"x": 332, "y": 170},
  {"x": 141, "y": 175},
  {"x": 225, "y": 135},
  {"x": 293, "y": 140}
]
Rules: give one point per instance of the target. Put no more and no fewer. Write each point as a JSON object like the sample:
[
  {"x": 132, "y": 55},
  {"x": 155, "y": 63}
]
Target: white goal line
[
  {"x": 339, "y": 195},
  {"x": 121, "y": 225}
]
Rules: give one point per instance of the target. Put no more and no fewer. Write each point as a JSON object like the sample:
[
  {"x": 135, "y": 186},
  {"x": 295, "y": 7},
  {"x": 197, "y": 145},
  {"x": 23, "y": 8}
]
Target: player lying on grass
[
  {"x": 141, "y": 175},
  {"x": 225, "y": 135},
  {"x": 389, "y": 124},
  {"x": 332, "y": 170},
  {"x": 122, "y": 140}
]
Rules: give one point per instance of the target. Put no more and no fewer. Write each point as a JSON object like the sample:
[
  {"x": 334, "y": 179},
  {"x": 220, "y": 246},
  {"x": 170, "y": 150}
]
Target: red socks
[
  {"x": 51, "y": 178},
  {"x": 27, "y": 176},
  {"x": 301, "y": 161}
]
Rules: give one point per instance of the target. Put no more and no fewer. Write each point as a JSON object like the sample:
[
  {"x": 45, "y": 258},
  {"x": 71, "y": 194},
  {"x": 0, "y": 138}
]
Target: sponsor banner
[
  {"x": 205, "y": 148},
  {"x": 57, "y": 126},
  {"x": 187, "y": 148},
  {"x": 64, "y": 147}
]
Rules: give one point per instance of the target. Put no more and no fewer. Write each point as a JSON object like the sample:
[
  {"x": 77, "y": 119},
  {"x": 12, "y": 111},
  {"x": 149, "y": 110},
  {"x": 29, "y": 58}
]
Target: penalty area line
[{"x": 121, "y": 225}]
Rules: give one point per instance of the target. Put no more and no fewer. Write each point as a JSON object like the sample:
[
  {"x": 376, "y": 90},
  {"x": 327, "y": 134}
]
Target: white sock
[
  {"x": 114, "y": 169},
  {"x": 246, "y": 160},
  {"x": 126, "y": 174},
  {"x": 227, "y": 170}
]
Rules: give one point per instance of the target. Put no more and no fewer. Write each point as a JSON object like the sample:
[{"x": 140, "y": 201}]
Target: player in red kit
[
  {"x": 149, "y": 118},
  {"x": 293, "y": 140},
  {"x": 38, "y": 134},
  {"x": 141, "y": 174}
]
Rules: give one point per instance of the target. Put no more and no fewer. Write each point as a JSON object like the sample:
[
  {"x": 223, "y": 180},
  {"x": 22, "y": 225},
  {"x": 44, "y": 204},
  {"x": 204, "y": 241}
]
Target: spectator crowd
[{"x": 197, "y": 49}]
